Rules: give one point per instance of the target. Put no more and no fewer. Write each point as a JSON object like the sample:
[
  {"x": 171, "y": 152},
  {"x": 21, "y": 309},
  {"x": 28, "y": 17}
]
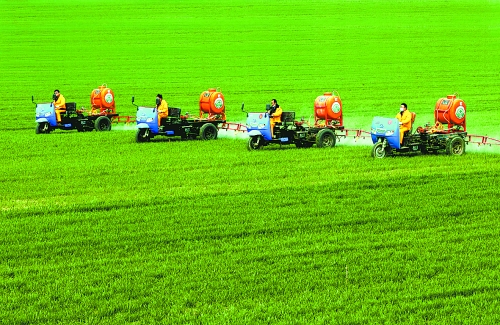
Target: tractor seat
[
  {"x": 174, "y": 112},
  {"x": 70, "y": 107},
  {"x": 407, "y": 133},
  {"x": 288, "y": 117}
]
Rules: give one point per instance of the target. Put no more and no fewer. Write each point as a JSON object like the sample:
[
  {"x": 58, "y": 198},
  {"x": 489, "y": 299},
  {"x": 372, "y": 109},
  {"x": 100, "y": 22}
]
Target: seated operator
[
  {"x": 59, "y": 104},
  {"x": 275, "y": 112},
  {"x": 162, "y": 107},
  {"x": 404, "y": 118}
]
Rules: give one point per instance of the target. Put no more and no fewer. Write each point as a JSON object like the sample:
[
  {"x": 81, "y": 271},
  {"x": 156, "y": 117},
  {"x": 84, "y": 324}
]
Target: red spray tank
[
  {"x": 450, "y": 111},
  {"x": 212, "y": 104},
  {"x": 328, "y": 109},
  {"x": 102, "y": 100}
]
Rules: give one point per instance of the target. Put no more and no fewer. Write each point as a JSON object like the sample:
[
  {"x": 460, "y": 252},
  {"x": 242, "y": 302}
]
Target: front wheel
[
  {"x": 326, "y": 138},
  {"x": 103, "y": 123},
  {"x": 378, "y": 150},
  {"x": 455, "y": 146},
  {"x": 42, "y": 128},
  {"x": 255, "y": 143},
  {"x": 143, "y": 135},
  {"x": 208, "y": 132}
]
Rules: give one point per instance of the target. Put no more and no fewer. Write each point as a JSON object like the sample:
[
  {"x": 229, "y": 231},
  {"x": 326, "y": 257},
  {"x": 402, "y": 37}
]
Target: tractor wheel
[
  {"x": 378, "y": 150},
  {"x": 326, "y": 138},
  {"x": 255, "y": 143},
  {"x": 455, "y": 146},
  {"x": 303, "y": 144},
  {"x": 208, "y": 132},
  {"x": 143, "y": 135},
  {"x": 42, "y": 128},
  {"x": 102, "y": 123}
]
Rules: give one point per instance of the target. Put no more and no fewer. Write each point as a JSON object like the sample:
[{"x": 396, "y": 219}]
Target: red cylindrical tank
[
  {"x": 451, "y": 111},
  {"x": 102, "y": 99},
  {"x": 212, "y": 102},
  {"x": 328, "y": 107}
]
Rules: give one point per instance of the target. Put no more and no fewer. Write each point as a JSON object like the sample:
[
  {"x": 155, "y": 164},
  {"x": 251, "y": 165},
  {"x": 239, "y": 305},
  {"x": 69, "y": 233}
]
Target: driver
[
  {"x": 274, "y": 112},
  {"x": 59, "y": 104},
  {"x": 404, "y": 118},
  {"x": 162, "y": 107}
]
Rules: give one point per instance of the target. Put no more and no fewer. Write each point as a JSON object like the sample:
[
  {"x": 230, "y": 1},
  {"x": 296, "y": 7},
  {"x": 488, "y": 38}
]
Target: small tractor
[
  {"x": 449, "y": 111},
  {"x": 212, "y": 115},
  {"x": 327, "y": 120},
  {"x": 102, "y": 112}
]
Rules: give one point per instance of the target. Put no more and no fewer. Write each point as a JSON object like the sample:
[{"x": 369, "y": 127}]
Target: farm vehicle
[
  {"x": 449, "y": 111},
  {"x": 328, "y": 121},
  {"x": 205, "y": 126},
  {"x": 99, "y": 118}
]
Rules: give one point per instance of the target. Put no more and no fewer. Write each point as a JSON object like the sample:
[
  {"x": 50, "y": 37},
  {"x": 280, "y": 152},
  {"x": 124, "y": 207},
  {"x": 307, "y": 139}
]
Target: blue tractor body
[
  {"x": 386, "y": 128},
  {"x": 259, "y": 124},
  {"x": 147, "y": 118},
  {"x": 46, "y": 113}
]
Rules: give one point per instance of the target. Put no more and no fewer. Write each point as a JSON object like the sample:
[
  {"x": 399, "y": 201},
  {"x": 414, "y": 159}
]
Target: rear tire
[
  {"x": 255, "y": 143},
  {"x": 102, "y": 123},
  {"x": 143, "y": 135},
  {"x": 455, "y": 146},
  {"x": 378, "y": 150},
  {"x": 326, "y": 138},
  {"x": 208, "y": 132}
]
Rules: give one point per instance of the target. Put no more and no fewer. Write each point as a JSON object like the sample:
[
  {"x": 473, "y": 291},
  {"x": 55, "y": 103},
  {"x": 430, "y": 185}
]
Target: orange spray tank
[
  {"x": 328, "y": 109},
  {"x": 102, "y": 100},
  {"x": 450, "y": 111},
  {"x": 212, "y": 104}
]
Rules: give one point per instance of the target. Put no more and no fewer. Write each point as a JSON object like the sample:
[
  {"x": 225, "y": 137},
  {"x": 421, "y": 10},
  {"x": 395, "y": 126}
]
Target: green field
[{"x": 97, "y": 229}]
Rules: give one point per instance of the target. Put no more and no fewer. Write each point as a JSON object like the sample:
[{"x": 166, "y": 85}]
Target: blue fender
[
  {"x": 143, "y": 126},
  {"x": 42, "y": 120},
  {"x": 254, "y": 133}
]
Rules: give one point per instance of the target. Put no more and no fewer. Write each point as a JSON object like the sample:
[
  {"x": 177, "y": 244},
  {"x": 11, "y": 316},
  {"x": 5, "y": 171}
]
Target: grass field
[{"x": 97, "y": 229}]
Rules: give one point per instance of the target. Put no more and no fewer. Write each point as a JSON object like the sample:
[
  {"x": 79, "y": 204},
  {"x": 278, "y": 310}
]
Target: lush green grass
[
  {"x": 97, "y": 229},
  {"x": 178, "y": 232}
]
